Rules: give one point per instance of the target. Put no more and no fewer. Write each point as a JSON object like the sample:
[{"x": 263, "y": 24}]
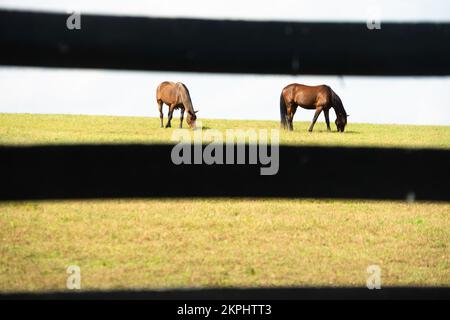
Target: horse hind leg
[
  {"x": 291, "y": 122},
  {"x": 169, "y": 120},
  {"x": 161, "y": 115},
  {"x": 290, "y": 116}
]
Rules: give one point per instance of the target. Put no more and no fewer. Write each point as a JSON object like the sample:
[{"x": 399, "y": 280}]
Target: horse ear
[{"x": 348, "y": 115}]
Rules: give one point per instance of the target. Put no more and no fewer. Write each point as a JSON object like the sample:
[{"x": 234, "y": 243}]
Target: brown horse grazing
[
  {"x": 321, "y": 98},
  {"x": 176, "y": 96}
]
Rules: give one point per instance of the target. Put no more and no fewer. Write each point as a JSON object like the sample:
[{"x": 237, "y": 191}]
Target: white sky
[
  {"x": 300, "y": 10},
  {"x": 376, "y": 100}
]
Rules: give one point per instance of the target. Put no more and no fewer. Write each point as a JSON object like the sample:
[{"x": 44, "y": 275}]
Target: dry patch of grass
[{"x": 218, "y": 242}]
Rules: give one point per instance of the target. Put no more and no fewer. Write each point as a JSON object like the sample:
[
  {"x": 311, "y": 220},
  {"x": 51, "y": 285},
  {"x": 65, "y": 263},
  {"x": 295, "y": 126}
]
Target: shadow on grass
[
  {"x": 206, "y": 128},
  {"x": 324, "y": 131}
]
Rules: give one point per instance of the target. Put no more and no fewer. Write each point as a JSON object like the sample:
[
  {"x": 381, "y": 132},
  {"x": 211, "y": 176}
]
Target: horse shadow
[
  {"x": 205, "y": 128},
  {"x": 335, "y": 131}
]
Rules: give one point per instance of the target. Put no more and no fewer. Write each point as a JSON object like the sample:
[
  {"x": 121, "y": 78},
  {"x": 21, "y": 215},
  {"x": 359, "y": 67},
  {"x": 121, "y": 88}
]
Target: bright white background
[{"x": 413, "y": 100}]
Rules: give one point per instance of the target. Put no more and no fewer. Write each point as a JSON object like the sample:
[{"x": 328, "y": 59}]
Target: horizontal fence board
[
  {"x": 274, "y": 294},
  {"x": 221, "y": 46},
  {"x": 133, "y": 171}
]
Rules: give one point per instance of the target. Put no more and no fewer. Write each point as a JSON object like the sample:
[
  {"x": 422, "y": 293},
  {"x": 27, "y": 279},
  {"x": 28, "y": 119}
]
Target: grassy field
[
  {"x": 172, "y": 243},
  {"x": 57, "y": 129},
  {"x": 219, "y": 242}
]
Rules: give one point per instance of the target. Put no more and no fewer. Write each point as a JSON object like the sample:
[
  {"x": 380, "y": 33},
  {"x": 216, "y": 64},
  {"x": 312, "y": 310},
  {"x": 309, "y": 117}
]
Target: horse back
[
  {"x": 308, "y": 97},
  {"x": 167, "y": 92}
]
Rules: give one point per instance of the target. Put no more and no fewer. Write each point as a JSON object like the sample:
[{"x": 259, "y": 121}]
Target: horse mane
[
  {"x": 185, "y": 88},
  {"x": 337, "y": 104},
  {"x": 186, "y": 97}
]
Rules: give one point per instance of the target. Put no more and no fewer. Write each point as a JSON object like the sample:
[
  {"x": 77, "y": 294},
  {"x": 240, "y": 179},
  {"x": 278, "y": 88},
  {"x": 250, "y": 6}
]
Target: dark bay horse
[
  {"x": 176, "y": 96},
  {"x": 319, "y": 98}
]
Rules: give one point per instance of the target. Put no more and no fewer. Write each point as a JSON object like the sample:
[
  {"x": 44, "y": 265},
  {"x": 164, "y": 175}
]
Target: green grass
[
  {"x": 22, "y": 129},
  {"x": 219, "y": 242},
  {"x": 163, "y": 243}
]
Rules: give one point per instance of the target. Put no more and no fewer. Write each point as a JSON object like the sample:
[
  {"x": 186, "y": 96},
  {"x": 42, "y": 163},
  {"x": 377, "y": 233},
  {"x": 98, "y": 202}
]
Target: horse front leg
[
  {"x": 181, "y": 118},
  {"x": 327, "y": 118},
  {"x": 316, "y": 115},
  {"x": 171, "y": 108}
]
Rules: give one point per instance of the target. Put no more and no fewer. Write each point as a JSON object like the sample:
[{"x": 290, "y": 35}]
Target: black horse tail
[{"x": 283, "y": 112}]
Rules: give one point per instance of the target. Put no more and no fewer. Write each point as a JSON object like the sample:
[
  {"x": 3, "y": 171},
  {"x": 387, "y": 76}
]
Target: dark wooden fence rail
[
  {"x": 128, "y": 171},
  {"x": 42, "y": 39},
  {"x": 251, "y": 294}
]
